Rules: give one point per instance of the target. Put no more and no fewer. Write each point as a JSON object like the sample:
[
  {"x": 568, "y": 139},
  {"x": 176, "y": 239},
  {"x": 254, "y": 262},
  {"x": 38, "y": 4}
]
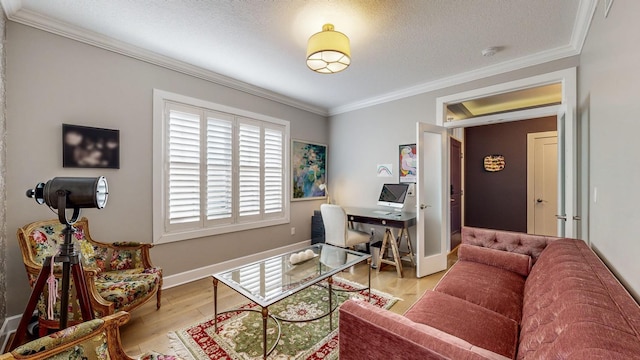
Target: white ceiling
[{"x": 399, "y": 47}]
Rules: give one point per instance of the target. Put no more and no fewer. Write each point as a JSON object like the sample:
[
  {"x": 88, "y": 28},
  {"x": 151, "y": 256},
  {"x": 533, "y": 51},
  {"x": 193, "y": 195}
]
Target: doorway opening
[{"x": 561, "y": 107}]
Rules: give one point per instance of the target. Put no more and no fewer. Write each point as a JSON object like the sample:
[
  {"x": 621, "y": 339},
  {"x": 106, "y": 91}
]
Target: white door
[
  {"x": 542, "y": 183},
  {"x": 432, "y": 147}
]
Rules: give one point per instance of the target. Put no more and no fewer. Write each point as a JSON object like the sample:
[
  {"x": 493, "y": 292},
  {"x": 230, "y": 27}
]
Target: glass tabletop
[{"x": 268, "y": 281}]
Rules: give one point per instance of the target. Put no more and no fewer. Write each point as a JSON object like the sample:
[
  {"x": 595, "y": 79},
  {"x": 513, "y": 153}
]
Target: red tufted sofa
[{"x": 509, "y": 296}]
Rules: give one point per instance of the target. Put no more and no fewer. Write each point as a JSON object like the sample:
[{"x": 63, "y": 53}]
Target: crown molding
[
  {"x": 585, "y": 13},
  {"x": 586, "y": 9},
  {"x": 516, "y": 64},
  {"x": 35, "y": 20},
  {"x": 11, "y": 7}
]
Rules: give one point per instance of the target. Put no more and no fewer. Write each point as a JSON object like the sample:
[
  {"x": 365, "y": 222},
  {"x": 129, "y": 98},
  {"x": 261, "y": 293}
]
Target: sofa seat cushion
[
  {"x": 493, "y": 288},
  {"x": 128, "y": 287},
  {"x": 472, "y": 323},
  {"x": 573, "y": 306}
]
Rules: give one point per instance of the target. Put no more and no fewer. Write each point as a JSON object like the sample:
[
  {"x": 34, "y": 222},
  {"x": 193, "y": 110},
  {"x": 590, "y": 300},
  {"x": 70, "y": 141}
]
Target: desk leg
[
  {"x": 383, "y": 249},
  {"x": 396, "y": 254},
  {"x": 411, "y": 257},
  {"x": 390, "y": 240}
]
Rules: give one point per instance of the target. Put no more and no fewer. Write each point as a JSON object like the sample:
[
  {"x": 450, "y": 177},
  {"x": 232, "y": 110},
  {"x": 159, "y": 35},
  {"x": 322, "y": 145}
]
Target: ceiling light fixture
[{"x": 328, "y": 51}]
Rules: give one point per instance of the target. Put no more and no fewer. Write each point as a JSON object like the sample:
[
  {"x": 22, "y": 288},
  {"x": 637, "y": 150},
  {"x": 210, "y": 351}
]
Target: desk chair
[{"x": 337, "y": 231}]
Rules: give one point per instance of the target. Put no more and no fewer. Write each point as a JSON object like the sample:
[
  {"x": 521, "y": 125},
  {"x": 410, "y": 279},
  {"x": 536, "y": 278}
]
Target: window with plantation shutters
[{"x": 218, "y": 169}]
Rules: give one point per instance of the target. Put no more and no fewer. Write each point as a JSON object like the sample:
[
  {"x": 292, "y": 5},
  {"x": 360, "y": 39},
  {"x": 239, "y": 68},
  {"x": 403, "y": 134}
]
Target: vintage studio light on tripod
[
  {"x": 63, "y": 193},
  {"x": 72, "y": 193}
]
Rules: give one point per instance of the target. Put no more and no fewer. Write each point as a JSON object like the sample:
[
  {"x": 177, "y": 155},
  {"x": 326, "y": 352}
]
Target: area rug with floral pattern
[{"x": 239, "y": 334}]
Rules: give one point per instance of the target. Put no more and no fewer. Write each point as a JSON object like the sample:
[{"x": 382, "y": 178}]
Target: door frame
[{"x": 568, "y": 79}]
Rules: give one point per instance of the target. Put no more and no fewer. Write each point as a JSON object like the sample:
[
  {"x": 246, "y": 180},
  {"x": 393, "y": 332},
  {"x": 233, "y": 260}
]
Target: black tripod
[{"x": 70, "y": 260}]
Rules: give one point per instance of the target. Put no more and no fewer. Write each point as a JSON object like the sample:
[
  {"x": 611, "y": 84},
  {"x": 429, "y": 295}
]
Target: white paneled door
[
  {"x": 432, "y": 146},
  {"x": 542, "y": 183}
]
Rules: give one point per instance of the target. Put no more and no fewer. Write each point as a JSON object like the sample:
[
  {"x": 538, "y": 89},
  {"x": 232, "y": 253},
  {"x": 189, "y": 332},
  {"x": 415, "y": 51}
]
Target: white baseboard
[
  {"x": 11, "y": 323},
  {"x": 200, "y": 273}
]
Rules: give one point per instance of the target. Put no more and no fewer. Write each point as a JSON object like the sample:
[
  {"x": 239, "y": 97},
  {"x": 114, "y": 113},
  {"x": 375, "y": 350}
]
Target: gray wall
[
  {"x": 363, "y": 138},
  {"x": 608, "y": 100},
  {"x": 498, "y": 200},
  {"x": 608, "y": 88},
  {"x": 53, "y": 80}
]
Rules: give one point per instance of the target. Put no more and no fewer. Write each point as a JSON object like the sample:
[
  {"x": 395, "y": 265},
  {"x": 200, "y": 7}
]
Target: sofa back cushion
[
  {"x": 521, "y": 243},
  {"x": 517, "y": 263},
  {"x": 573, "y": 307}
]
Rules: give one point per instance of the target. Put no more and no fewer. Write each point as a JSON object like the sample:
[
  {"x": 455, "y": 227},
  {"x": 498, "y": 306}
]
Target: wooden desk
[{"x": 390, "y": 219}]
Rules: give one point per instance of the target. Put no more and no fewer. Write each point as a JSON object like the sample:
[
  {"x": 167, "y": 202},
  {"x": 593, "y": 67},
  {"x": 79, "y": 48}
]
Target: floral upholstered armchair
[
  {"x": 119, "y": 276},
  {"x": 97, "y": 339}
]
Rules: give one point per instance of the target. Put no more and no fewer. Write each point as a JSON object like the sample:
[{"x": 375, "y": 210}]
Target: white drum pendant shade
[{"x": 328, "y": 51}]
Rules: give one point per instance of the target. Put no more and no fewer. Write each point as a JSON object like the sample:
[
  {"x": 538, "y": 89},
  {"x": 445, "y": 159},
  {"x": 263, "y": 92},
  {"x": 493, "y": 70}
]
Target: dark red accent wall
[{"x": 498, "y": 200}]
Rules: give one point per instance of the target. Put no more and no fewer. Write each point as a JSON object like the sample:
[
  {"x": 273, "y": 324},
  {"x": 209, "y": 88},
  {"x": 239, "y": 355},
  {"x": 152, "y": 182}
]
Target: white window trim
[{"x": 159, "y": 147}]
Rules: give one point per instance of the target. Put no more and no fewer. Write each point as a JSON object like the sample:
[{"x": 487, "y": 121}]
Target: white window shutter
[
  {"x": 219, "y": 168},
  {"x": 183, "y": 205},
  {"x": 249, "y": 169},
  {"x": 274, "y": 170}
]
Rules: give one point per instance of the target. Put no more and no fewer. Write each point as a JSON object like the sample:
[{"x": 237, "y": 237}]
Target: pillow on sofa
[{"x": 517, "y": 263}]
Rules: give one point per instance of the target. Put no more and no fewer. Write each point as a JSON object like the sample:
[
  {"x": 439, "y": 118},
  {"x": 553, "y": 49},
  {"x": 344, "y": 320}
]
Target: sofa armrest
[
  {"x": 368, "y": 332},
  {"x": 510, "y": 241}
]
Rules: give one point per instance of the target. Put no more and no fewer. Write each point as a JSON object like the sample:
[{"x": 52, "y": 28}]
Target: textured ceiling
[{"x": 398, "y": 47}]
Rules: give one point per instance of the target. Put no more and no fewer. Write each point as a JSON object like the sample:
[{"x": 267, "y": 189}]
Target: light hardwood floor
[{"x": 189, "y": 303}]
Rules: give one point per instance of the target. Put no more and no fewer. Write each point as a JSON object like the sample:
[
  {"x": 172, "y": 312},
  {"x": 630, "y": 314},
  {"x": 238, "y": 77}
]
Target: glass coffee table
[{"x": 268, "y": 281}]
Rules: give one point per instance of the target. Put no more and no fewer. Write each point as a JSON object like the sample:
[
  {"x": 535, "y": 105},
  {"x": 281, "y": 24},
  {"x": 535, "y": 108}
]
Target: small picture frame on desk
[{"x": 408, "y": 163}]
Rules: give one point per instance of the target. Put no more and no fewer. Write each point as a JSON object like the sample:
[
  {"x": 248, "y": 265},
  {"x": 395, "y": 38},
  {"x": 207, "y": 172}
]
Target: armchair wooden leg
[{"x": 158, "y": 294}]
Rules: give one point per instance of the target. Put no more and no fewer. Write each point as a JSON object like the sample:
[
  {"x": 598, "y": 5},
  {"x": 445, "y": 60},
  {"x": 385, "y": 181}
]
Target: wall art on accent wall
[
  {"x": 89, "y": 147},
  {"x": 494, "y": 163},
  {"x": 309, "y": 170},
  {"x": 407, "y": 158}
]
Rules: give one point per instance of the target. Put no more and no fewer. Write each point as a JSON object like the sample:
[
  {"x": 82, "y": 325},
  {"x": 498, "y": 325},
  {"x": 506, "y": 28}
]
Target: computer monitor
[{"x": 393, "y": 195}]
